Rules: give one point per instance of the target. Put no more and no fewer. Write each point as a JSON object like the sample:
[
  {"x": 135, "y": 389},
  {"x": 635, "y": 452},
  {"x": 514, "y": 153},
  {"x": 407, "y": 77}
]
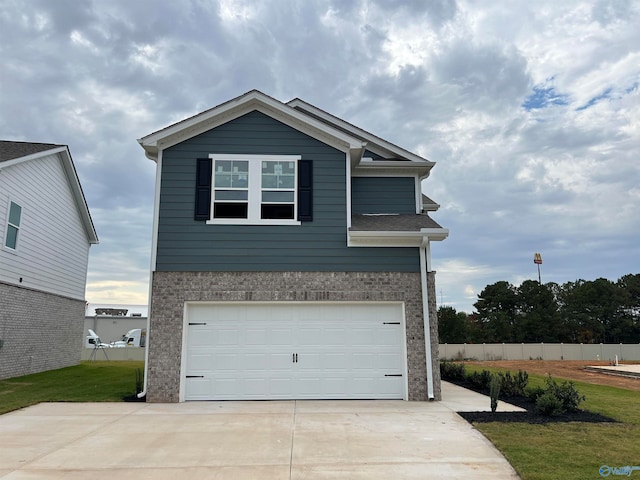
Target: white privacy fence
[{"x": 539, "y": 351}]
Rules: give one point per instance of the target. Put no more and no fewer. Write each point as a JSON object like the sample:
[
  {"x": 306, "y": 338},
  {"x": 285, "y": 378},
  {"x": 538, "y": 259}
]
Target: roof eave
[
  {"x": 253, "y": 100},
  {"x": 421, "y": 169},
  {"x": 78, "y": 195},
  {"x": 74, "y": 184},
  {"x": 370, "y": 138},
  {"x": 390, "y": 238}
]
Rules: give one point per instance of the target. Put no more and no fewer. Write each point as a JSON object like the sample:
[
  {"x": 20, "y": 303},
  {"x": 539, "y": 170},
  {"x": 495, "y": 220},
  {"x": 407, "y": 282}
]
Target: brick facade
[
  {"x": 171, "y": 290},
  {"x": 39, "y": 331}
]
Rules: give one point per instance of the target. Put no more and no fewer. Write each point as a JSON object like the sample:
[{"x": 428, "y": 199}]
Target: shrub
[
  {"x": 534, "y": 393},
  {"x": 514, "y": 386},
  {"x": 452, "y": 371},
  {"x": 480, "y": 380},
  {"x": 549, "y": 405},
  {"x": 566, "y": 393},
  {"x": 494, "y": 391}
]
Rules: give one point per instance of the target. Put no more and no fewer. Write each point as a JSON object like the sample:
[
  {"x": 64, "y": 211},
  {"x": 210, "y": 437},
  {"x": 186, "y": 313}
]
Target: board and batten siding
[
  {"x": 319, "y": 245},
  {"x": 53, "y": 249},
  {"x": 383, "y": 195}
]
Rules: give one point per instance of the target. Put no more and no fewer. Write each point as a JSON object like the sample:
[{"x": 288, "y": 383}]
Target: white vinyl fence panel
[{"x": 539, "y": 351}]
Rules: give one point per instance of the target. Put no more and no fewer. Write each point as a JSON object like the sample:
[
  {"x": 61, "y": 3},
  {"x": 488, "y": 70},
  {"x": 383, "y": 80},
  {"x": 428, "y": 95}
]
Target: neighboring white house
[{"x": 45, "y": 234}]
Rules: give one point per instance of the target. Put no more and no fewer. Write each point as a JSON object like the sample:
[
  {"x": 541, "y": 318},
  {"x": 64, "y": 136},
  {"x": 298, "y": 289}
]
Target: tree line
[{"x": 597, "y": 311}]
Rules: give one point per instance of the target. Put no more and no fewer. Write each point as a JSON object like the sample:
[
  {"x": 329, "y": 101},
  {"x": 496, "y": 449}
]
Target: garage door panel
[
  {"x": 225, "y": 362},
  {"x": 256, "y": 336},
  {"x": 200, "y": 362},
  {"x": 281, "y": 337},
  {"x": 198, "y": 388},
  {"x": 307, "y": 336},
  {"x": 284, "y": 351}
]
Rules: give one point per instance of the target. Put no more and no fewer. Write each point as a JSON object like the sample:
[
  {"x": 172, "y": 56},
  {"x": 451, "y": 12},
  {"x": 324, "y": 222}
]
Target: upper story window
[
  {"x": 254, "y": 189},
  {"x": 13, "y": 226}
]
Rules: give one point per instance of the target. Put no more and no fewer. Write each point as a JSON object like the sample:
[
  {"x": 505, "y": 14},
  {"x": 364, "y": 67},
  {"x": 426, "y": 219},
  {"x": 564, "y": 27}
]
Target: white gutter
[
  {"x": 154, "y": 248},
  {"x": 425, "y": 261}
]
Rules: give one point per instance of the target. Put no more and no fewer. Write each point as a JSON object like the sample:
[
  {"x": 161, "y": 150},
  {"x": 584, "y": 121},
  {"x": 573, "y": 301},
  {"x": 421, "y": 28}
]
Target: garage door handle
[
  {"x": 391, "y": 323},
  {"x": 195, "y": 376},
  {"x": 294, "y": 358},
  {"x": 197, "y": 323},
  {"x": 393, "y": 375}
]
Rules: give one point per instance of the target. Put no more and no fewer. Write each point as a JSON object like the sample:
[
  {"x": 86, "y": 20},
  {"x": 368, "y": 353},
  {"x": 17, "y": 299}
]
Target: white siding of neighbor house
[{"x": 53, "y": 248}]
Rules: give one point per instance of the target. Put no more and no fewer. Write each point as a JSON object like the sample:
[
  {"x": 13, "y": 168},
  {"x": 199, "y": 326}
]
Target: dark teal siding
[
  {"x": 383, "y": 195},
  {"x": 320, "y": 245}
]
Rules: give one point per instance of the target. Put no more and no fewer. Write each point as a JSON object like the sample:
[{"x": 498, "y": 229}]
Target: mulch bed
[{"x": 530, "y": 416}]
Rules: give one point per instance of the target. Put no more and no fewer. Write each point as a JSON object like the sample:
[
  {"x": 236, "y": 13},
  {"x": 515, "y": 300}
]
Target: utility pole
[{"x": 537, "y": 259}]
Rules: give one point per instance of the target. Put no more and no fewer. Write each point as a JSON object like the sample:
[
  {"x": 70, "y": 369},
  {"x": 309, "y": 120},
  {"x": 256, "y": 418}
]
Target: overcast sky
[{"x": 531, "y": 110}]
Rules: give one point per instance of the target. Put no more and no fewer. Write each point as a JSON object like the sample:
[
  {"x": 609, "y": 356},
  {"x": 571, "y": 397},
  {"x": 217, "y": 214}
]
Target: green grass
[
  {"x": 87, "y": 382},
  {"x": 576, "y": 449}
]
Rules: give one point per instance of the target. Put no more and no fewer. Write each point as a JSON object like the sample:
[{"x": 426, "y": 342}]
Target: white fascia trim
[
  {"x": 389, "y": 238},
  {"x": 78, "y": 194},
  {"x": 383, "y": 168},
  {"x": 228, "y": 111}
]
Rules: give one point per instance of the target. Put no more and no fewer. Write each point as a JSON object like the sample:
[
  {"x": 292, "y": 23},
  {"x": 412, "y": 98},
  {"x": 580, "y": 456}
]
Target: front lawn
[
  {"x": 576, "y": 449},
  {"x": 87, "y": 382}
]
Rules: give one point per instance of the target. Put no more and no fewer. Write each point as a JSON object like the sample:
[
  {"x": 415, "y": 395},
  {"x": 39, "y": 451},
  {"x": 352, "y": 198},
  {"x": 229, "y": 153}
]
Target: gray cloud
[{"x": 445, "y": 79}]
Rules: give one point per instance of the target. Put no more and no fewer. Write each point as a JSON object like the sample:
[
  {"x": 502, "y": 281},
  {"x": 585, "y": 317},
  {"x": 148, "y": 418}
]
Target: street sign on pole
[{"x": 537, "y": 259}]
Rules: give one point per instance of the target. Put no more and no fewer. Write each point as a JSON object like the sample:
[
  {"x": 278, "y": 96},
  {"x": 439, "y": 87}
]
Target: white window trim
[
  {"x": 8, "y": 224},
  {"x": 254, "y": 190}
]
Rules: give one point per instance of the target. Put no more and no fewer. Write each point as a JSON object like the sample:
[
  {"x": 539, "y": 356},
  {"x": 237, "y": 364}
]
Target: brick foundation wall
[
  {"x": 39, "y": 331},
  {"x": 170, "y": 290}
]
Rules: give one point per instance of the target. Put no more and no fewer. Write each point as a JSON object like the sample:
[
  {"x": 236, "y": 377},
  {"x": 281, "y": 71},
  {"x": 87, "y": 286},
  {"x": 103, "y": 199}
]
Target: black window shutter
[
  {"x": 203, "y": 189},
  {"x": 305, "y": 190}
]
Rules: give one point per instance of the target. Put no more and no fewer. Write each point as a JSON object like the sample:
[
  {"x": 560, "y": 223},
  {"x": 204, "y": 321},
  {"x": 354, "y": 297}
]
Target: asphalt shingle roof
[
  {"x": 10, "y": 150},
  {"x": 395, "y": 223}
]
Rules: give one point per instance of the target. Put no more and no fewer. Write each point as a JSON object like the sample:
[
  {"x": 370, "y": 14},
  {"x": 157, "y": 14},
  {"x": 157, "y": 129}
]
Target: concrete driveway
[{"x": 253, "y": 440}]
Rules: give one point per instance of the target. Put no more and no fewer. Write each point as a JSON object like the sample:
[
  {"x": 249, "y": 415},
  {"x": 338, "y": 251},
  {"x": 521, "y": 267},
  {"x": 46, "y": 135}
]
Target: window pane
[
  {"x": 222, "y": 180},
  {"x": 240, "y": 166},
  {"x": 230, "y": 210},
  {"x": 223, "y": 166},
  {"x": 239, "y": 180},
  {"x": 15, "y": 211},
  {"x": 281, "y": 197},
  {"x": 269, "y": 181},
  {"x": 278, "y": 211},
  {"x": 12, "y": 237},
  {"x": 286, "y": 182},
  {"x": 231, "y": 195},
  {"x": 278, "y": 175},
  {"x": 268, "y": 167}
]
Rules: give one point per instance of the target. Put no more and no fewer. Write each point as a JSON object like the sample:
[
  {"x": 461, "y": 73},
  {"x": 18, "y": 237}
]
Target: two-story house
[
  {"x": 45, "y": 234},
  {"x": 290, "y": 259}
]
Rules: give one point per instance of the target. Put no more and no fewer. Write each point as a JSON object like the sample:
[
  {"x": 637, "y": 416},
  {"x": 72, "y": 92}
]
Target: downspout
[
  {"x": 424, "y": 266},
  {"x": 154, "y": 246}
]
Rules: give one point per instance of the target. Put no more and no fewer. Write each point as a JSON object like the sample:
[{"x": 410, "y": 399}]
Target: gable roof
[
  {"x": 11, "y": 150},
  {"x": 383, "y": 148},
  {"x": 13, "y": 153},
  {"x": 299, "y": 115}
]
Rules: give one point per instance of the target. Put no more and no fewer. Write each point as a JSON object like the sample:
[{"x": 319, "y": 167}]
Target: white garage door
[{"x": 294, "y": 351}]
